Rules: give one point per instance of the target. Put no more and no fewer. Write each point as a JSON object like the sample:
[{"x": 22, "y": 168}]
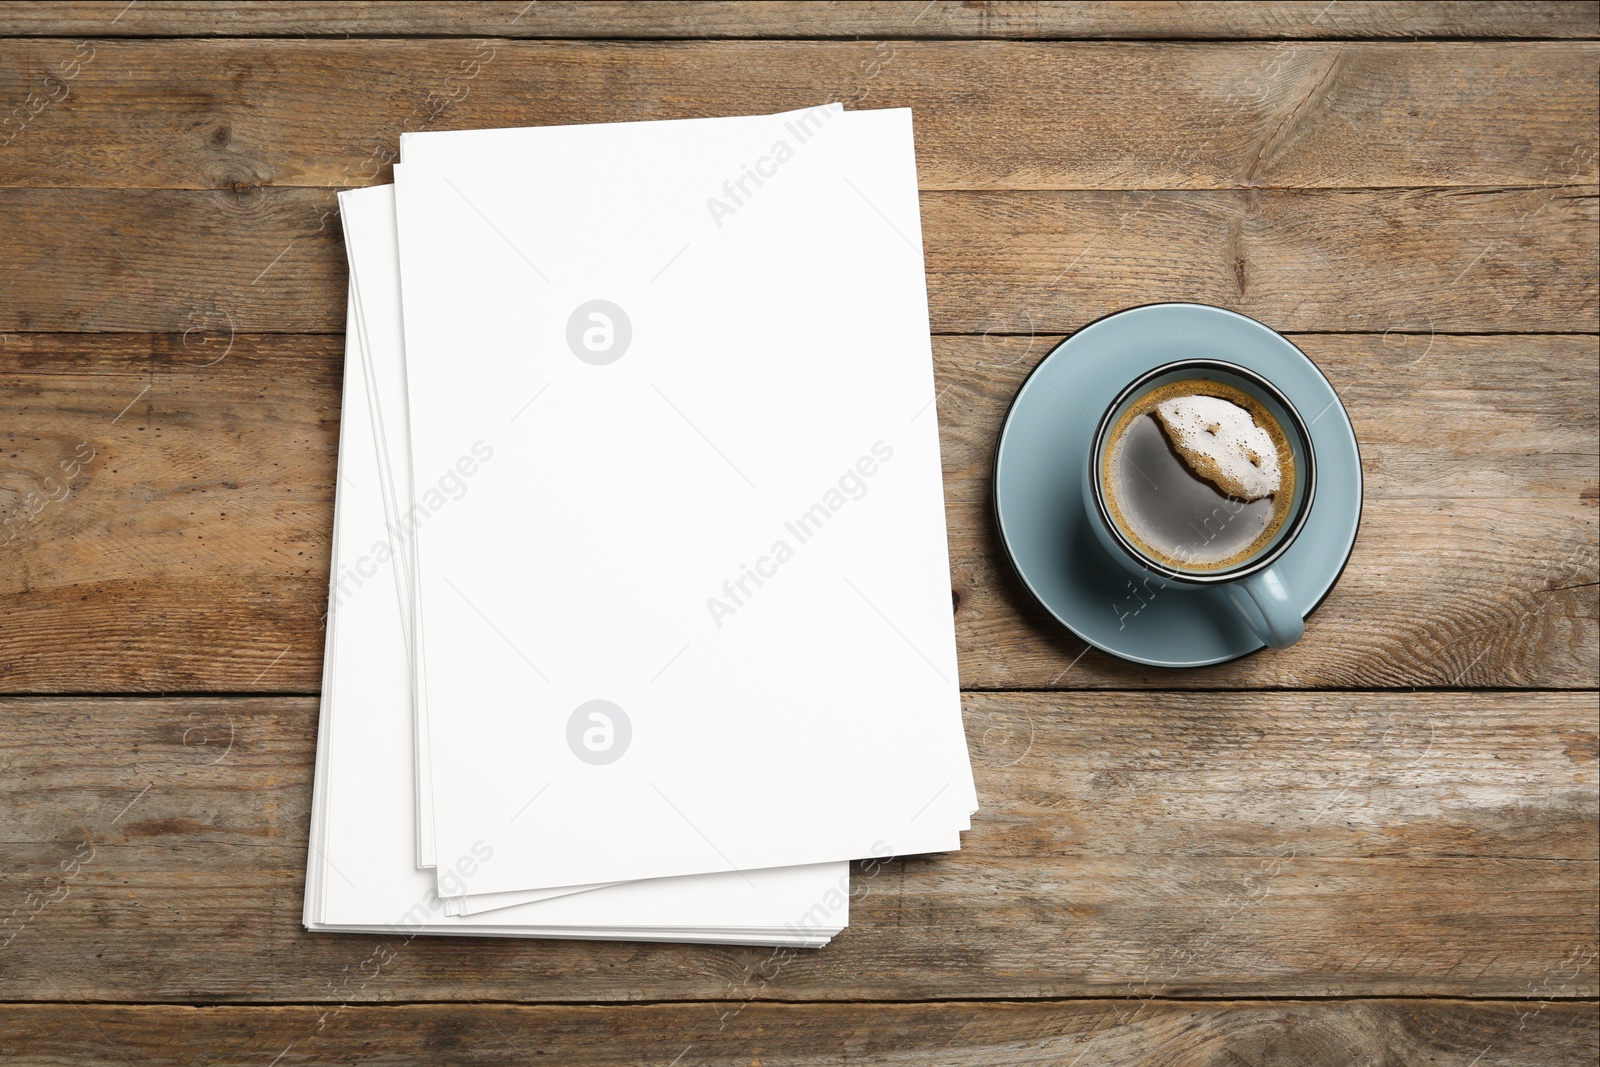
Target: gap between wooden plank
[{"x": 1087, "y": 998}]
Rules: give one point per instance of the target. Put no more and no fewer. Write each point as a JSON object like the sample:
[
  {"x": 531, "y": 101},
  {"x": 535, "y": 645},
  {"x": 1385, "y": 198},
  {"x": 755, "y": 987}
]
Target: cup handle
[{"x": 1262, "y": 600}]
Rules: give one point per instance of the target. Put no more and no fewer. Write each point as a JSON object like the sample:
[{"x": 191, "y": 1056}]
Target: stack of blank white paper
[{"x": 640, "y": 624}]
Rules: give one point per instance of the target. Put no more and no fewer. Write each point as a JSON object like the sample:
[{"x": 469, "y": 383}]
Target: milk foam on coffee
[
  {"x": 1223, "y": 445},
  {"x": 1198, "y": 474}
]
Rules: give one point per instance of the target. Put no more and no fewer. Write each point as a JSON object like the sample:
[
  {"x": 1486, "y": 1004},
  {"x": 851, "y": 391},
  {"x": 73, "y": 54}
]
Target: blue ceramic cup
[{"x": 1255, "y": 587}]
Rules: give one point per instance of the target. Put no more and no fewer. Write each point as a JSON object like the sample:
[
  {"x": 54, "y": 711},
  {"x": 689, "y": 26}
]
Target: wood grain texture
[
  {"x": 957, "y": 1034},
  {"x": 1415, "y": 261},
  {"x": 191, "y": 552},
  {"x": 1153, "y": 846},
  {"x": 999, "y": 115},
  {"x": 1128, "y": 845},
  {"x": 1477, "y": 542},
  {"x": 914, "y": 18}
]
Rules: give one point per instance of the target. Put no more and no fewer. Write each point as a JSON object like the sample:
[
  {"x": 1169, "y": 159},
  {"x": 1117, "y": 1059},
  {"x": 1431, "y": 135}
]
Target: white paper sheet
[{"x": 734, "y": 531}]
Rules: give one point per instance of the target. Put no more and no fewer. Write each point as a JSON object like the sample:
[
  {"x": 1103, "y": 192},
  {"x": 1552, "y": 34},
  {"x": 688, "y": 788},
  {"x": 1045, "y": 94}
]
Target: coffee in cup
[{"x": 1198, "y": 475}]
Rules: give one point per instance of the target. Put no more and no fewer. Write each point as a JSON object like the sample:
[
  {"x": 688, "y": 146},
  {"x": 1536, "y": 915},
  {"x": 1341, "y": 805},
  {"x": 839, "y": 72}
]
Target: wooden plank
[
  {"x": 1003, "y": 115},
  {"x": 1129, "y": 845},
  {"x": 1020, "y": 262},
  {"x": 235, "y": 472},
  {"x": 959, "y": 1034},
  {"x": 915, "y": 18},
  {"x": 191, "y": 552},
  {"x": 272, "y": 261}
]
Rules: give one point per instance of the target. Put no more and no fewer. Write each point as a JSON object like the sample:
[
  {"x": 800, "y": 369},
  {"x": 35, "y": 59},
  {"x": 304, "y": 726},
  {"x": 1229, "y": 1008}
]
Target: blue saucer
[{"x": 1040, "y": 464}]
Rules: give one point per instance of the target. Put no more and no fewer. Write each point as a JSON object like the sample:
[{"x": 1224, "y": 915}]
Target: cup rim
[{"x": 1252, "y": 566}]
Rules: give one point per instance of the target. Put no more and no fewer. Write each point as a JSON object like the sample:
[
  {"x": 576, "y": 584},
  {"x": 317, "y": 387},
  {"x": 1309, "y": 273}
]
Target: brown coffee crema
[{"x": 1178, "y": 556}]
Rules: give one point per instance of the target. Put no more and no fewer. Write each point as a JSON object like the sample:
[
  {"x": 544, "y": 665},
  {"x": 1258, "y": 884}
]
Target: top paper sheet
[{"x": 685, "y": 574}]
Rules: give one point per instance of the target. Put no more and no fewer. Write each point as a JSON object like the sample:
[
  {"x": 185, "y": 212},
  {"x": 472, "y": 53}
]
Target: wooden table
[{"x": 1379, "y": 846}]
